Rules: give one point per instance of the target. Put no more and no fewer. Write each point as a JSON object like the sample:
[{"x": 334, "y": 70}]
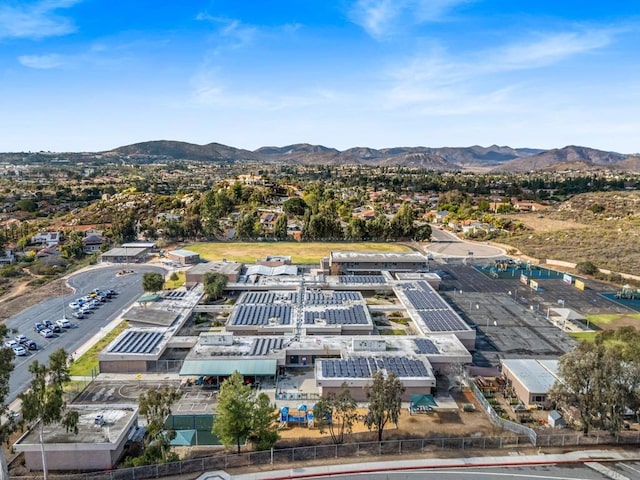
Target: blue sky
[{"x": 87, "y": 75}]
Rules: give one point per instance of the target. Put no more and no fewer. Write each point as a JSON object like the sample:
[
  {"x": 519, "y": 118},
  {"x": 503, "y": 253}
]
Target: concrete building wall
[
  {"x": 360, "y": 394},
  {"x": 123, "y": 366}
]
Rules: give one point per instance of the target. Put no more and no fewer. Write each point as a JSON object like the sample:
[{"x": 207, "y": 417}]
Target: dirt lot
[
  {"x": 23, "y": 296},
  {"x": 544, "y": 223},
  {"x": 418, "y": 425}
]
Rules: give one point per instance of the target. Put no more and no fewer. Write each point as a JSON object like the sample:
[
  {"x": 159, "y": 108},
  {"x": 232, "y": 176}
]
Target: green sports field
[{"x": 312, "y": 252}]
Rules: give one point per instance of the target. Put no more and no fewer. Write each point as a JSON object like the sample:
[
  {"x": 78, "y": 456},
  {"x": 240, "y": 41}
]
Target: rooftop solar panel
[
  {"x": 354, "y": 315},
  {"x": 256, "y": 315},
  {"x": 366, "y": 367},
  {"x": 361, "y": 279},
  {"x": 330, "y": 298},
  {"x": 426, "y": 346},
  {"x": 137, "y": 342},
  {"x": 263, "y": 346}
]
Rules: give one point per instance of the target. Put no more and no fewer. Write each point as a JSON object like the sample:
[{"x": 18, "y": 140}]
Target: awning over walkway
[
  {"x": 418, "y": 400},
  {"x": 249, "y": 367}
]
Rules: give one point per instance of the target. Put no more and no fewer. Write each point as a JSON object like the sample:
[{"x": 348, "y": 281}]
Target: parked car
[
  {"x": 21, "y": 339},
  {"x": 38, "y": 326},
  {"x": 10, "y": 343},
  {"x": 63, "y": 323},
  {"x": 19, "y": 350},
  {"x": 29, "y": 344},
  {"x": 78, "y": 314},
  {"x": 46, "y": 333},
  {"x": 52, "y": 326}
]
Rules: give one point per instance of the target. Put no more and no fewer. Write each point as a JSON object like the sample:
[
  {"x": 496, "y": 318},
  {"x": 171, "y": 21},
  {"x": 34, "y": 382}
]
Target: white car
[
  {"x": 75, "y": 305},
  {"x": 19, "y": 350},
  {"x": 64, "y": 323},
  {"x": 10, "y": 344},
  {"x": 46, "y": 333},
  {"x": 21, "y": 339}
]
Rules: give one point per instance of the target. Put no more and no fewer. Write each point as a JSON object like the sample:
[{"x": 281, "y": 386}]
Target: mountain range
[
  {"x": 492, "y": 158},
  {"x": 475, "y": 158}
]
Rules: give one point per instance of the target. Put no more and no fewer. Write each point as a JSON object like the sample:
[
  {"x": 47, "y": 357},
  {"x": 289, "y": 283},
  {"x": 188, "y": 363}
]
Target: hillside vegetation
[{"x": 603, "y": 228}]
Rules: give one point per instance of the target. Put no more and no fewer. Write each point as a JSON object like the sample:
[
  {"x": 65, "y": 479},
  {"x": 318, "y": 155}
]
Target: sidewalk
[{"x": 585, "y": 456}]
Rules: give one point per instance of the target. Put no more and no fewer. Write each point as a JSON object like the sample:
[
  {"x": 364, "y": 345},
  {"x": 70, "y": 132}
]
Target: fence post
[
  {"x": 158, "y": 473},
  {"x": 379, "y": 448},
  {"x": 501, "y": 441},
  {"x": 336, "y": 446},
  {"x": 400, "y": 447}
]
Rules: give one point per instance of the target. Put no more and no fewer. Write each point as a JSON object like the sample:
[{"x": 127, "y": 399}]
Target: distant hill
[
  {"x": 498, "y": 158},
  {"x": 572, "y": 156}
]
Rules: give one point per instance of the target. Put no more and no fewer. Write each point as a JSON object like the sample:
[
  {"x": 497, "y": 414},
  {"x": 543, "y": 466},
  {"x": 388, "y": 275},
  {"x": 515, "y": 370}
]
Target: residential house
[
  {"x": 92, "y": 244},
  {"x": 49, "y": 239},
  {"x": 7, "y": 256}
]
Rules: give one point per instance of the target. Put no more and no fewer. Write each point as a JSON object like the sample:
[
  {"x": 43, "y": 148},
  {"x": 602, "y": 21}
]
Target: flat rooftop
[
  {"x": 115, "y": 421},
  {"x": 537, "y": 376},
  {"x": 435, "y": 347}
]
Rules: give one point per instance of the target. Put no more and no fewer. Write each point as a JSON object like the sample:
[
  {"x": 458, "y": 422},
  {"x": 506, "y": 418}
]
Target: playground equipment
[
  {"x": 628, "y": 293},
  {"x": 301, "y": 416}
]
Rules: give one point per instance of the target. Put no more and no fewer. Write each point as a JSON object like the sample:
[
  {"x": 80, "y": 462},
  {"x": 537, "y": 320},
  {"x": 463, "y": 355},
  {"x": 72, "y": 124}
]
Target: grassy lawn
[
  {"x": 580, "y": 336},
  {"x": 312, "y": 252},
  {"x": 171, "y": 285},
  {"x": 611, "y": 318},
  {"x": 88, "y": 362}
]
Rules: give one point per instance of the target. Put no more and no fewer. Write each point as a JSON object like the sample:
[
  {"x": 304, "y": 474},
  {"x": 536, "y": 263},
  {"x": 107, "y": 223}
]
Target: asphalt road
[
  {"x": 446, "y": 244},
  {"x": 128, "y": 287},
  {"x": 523, "y": 472}
]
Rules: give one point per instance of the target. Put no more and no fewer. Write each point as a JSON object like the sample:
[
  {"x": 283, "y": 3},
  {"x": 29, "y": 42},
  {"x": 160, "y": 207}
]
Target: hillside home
[
  {"x": 7, "y": 256},
  {"x": 49, "y": 239},
  {"x": 92, "y": 244}
]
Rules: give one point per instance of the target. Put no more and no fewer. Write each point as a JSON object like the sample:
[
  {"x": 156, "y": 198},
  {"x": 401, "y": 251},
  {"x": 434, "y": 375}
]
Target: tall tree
[
  {"x": 214, "y": 284},
  {"x": 233, "y": 421},
  {"x": 44, "y": 402},
  {"x": 337, "y": 413},
  {"x": 295, "y": 206},
  {"x": 123, "y": 226},
  {"x": 7, "y": 422},
  {"x": 152, "y": 282},
  {"x": 280, "y": 228},
  {"x": 264, "y": 414},
  {"x": 385, "y": 401},
  {"x": 248, "y": 226},
  {"x": 582, "y": 383},
  {"x": 155, "y": 405},
  {"x": 72, "y": 248}
]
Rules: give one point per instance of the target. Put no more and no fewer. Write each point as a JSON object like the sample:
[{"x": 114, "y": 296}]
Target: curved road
[
  {"x": 128, "y": 287},
  {"x": 445, "y": 244}
]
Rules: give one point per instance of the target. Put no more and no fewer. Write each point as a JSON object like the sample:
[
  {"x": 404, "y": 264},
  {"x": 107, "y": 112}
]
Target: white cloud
[
  {"x": 436, "y": 78},
  {"x": 231, "y": 33},
  {"x": 550, "y": 49},
  {"x": 384, "y": 18},
  {"x": 42, "y": 62},
  {"x": 36, "y": 20}
]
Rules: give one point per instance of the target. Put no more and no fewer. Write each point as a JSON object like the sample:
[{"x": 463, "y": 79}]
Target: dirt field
[{"x": 544, "y": 224}]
